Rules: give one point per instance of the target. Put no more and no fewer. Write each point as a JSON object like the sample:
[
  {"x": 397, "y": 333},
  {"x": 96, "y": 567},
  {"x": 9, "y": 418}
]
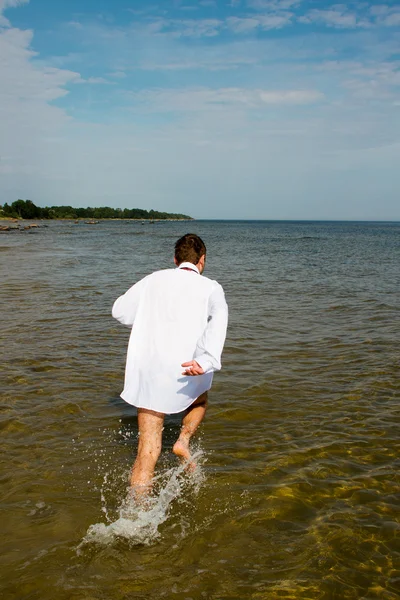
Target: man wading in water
[{"x": 178, "y": 319}]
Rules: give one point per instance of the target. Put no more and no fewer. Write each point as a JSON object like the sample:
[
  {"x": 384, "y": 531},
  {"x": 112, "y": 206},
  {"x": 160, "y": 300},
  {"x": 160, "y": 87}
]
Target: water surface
[{"x": 297, "y": 491}]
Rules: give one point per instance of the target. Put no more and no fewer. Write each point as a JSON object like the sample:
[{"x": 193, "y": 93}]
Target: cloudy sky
[{"x": 254, "y": 109}]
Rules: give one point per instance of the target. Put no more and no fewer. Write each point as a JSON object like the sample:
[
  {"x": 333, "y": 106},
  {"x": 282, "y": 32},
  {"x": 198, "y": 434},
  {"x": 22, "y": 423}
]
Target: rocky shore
[{"x": 4, "y": 227}]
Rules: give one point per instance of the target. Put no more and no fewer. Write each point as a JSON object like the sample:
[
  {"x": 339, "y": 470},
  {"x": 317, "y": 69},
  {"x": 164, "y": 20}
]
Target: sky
[{"x": 239, "y": 109}]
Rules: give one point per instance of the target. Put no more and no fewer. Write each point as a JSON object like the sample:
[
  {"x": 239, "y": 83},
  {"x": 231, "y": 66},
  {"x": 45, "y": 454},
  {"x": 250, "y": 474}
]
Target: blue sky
[{"x": 258, "y": 109}]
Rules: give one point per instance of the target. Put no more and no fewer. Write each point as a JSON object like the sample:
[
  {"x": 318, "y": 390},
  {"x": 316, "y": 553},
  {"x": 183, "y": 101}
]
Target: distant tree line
[{"x": 26, "y": 209}]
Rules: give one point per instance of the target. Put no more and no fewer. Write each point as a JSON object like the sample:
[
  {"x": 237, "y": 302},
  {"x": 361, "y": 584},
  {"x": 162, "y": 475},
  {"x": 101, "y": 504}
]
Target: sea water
[{"x": 296, "y": 494}]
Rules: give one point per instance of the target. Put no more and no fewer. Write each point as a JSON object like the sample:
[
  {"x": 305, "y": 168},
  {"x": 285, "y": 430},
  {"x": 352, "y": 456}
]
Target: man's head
[{"x": 190, "y": 248}]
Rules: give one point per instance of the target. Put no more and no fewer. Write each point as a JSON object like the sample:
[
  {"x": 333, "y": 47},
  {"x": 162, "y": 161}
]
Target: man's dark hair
[{"x": 189, "y": 248}]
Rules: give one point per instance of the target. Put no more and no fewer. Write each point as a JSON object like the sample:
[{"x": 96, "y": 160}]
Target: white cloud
[
  {"x": 381, "y": 9},
  {"x": 273, "y": 14},
  {"x": 65, "y": 59},
  {"x": 75, "y": 24},
  {"x": 369, "y": 80},
  {"x": 386, "y": 16},
  {"x": 207, "y": 99},
  {"x": 375, "y": 81},
  {"x": 388, "y": 73},
  {"x": 11, "y": 4},
  {"x": 266, "y": 22},
  {"x": 228, "y": 144},
  {"x": 258, "y": 15},
  {"x": 338, "y": 17},
  {"x": 98, "y": 80},
  {"x": 242, "y": 25},
  {"x": 198, "y": 28},
  {"x": 341, "y": 17},
  {"x": 188, "y": 27},
  {"x": 292, "y": 97},
  {"x": 207, "y": 62},
  {"x": 24, "y": 80},
  {"x": 93, "y": 81},
  {"x": 118, "y": 74},
  {"x": 4, "y": 4},
  {"x": 272, "y": 5},
  {"x": 28, "y": 117},
  {"x": 367, "y": 90},
  {"x": 391, "y": 20}
]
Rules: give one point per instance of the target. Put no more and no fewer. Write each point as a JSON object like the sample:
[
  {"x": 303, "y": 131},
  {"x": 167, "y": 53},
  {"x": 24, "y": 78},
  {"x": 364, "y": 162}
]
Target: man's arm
[
  {"x": 125, "y": 307},
  {"x": 208, "y": 352}
]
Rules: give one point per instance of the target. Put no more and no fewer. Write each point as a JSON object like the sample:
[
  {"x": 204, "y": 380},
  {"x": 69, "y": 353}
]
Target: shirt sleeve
[
  {"x": 125, "y": 307},
  {"x": 210, "y": 345}
]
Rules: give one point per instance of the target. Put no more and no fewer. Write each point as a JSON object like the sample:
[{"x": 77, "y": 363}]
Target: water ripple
[{"x": 300, "y": 446}]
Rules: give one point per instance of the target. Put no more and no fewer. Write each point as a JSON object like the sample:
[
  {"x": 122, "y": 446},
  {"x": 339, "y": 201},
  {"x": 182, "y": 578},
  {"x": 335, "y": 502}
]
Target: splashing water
[{"x": 139, "y": 524}]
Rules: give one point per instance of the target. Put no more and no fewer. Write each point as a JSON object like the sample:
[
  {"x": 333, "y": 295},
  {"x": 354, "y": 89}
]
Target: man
[{"x": 178, "y": 319}]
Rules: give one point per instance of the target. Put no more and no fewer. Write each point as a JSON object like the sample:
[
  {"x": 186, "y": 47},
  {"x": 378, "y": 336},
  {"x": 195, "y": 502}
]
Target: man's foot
[{"x": 181, "y": 450}]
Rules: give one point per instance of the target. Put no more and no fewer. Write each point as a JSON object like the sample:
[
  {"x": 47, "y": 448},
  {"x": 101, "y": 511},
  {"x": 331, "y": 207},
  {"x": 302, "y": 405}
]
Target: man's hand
[{"x": 192, "y": 368}]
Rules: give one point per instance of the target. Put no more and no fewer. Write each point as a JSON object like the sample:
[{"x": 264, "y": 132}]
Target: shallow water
[{"x": 297, "y": 490}]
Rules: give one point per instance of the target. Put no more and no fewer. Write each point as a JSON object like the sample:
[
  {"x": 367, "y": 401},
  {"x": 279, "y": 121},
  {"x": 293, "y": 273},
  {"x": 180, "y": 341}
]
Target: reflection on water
[{"x": 297, "y": 492}]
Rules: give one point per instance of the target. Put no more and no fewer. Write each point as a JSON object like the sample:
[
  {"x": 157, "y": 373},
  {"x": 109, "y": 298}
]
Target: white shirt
[{"x": 176, "y": 315}]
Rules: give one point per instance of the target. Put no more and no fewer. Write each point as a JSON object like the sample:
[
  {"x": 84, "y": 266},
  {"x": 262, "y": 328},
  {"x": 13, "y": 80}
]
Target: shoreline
[
  {"x": 11, "y": 224},
  {"x": 84, "y": 219}
]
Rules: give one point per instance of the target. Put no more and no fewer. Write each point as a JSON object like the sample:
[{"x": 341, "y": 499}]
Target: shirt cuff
[{"x": 204, "y": 362}]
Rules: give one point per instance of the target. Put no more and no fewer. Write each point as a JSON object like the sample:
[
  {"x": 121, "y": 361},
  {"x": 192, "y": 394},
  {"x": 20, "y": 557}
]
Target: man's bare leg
[
  {"x": 150, "y": 425},
  {"x": 192, "y": 419}
]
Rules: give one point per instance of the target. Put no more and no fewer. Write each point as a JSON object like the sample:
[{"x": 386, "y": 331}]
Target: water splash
[{"x": 139, "y": 524}]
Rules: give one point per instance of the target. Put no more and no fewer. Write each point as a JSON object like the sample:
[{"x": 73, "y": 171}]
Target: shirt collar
[{"x": 189, "y": 265}]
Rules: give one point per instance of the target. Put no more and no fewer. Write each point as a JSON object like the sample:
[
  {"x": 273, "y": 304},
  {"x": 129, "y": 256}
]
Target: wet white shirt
[{"x": 176, "y": 315}]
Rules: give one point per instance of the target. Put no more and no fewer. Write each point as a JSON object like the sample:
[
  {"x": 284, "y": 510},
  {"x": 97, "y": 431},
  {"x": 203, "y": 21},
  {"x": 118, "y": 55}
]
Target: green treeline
[{"x": 26, "y": 209}]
